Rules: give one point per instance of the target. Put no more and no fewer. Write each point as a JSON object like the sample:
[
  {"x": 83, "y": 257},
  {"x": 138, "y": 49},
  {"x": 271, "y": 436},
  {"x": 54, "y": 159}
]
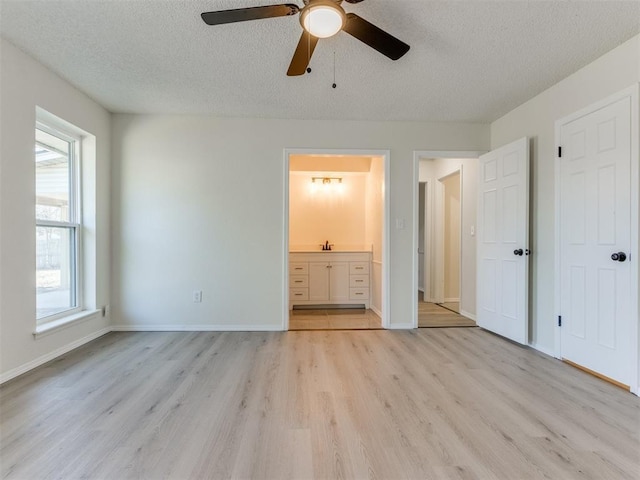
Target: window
[{"x": 58, "y": 225}]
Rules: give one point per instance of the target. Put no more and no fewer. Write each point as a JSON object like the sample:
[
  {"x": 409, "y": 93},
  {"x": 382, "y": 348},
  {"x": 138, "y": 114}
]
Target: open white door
[{"x": 503, "y": 241}]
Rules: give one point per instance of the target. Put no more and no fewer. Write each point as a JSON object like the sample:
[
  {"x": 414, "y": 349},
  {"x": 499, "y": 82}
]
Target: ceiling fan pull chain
[
  {"x": 309, "y": 50},
  {"x": 334, "y": 70}
]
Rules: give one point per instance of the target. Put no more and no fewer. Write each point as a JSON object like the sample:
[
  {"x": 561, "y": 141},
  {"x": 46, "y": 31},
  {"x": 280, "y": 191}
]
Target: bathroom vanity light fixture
[{"x": 326, "y": 180}]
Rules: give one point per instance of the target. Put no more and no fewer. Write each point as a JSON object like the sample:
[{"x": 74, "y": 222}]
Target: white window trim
[
  {"x": 70, "y": 315},
  {"x": 52, "y": 326}
]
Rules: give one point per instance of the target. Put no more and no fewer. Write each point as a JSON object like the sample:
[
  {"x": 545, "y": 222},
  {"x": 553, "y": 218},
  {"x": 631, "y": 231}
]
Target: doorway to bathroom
[{"x": 336, "y": 239}]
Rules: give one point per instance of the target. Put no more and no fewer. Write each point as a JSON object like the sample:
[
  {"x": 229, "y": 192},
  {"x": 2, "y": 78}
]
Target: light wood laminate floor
[
  {"x": 453, "y": 306},
  {"x": 334, "y": 319},
  {"x": 434, "y": 315},
  {"x": 455, "y": 403}
]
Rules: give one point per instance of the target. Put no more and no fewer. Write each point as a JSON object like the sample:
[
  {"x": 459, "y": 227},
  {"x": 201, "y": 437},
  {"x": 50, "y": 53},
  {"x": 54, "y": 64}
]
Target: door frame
[
  {"x": 633, "y": 93},
  {"x": 417, "y": 156},
  {"x": 427, "y": 217},
  {"x": 424, "y": 205},
  {"x": 386, "y": 164}
]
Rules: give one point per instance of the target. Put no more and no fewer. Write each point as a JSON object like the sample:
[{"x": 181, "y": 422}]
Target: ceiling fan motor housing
[{"x": 322, "y": 18}]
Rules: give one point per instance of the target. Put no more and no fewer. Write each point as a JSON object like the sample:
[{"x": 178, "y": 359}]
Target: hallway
[{"x": 432, "y": 315}]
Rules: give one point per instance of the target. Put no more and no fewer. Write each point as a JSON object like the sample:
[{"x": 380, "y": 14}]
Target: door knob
[
  {"x": 518, "y": 252},
  {"x": 619, "y": 257}
]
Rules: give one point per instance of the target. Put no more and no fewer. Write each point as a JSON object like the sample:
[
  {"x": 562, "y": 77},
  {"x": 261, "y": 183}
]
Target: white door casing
[
  {"x": 503, "y": 241},
  {"x": 595, "y": 216}
]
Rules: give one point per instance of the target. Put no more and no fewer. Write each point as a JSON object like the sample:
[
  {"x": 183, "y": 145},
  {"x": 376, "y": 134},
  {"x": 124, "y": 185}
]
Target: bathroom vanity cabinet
[{"x": 329, "y": 278}]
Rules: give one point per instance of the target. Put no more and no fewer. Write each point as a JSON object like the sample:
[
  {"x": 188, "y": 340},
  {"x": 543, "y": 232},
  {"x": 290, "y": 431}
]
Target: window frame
[{"x": 74, "y": 222}]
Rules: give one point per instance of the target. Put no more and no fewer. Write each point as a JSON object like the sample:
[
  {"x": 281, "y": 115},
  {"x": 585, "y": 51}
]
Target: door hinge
[
  {"x": 559, "y": 152},
  {"x": 559, "y": 320}
]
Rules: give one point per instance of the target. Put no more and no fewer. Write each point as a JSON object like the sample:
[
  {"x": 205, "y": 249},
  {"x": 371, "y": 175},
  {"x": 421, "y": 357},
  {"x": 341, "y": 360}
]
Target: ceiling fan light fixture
[{"x": 323, "y": 19}]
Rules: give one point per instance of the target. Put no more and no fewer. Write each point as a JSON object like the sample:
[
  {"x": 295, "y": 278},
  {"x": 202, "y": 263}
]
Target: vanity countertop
[{"x": 329, "y": 251}]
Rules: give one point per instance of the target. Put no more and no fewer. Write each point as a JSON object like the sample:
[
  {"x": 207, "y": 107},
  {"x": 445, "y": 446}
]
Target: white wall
[
  {"x": 614, "y": 71},
  {"x": 431, "y": 171},
  {"x": 25, "y": 84},
  {"x": 334, "y": 213},
  {"x": 198, "y": 204}
]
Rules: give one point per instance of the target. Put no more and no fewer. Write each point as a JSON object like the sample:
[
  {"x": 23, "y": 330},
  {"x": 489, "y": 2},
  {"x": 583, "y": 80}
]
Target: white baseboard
[
  {"x": 470, "y": 316},
  {"x": 545, "y": 350},
  {"x": 451, "y": 300},
  {"x": 51, "y": 355},
  {"x": 197, "y": 328},
  {"x": 375, "y": 310}
]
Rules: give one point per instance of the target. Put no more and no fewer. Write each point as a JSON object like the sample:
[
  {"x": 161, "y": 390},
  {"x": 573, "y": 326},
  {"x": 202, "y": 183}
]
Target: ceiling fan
[{"x": 319, "y": 19}]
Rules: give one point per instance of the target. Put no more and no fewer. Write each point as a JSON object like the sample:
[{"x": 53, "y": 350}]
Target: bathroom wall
[{"x": 319, "y": 212}]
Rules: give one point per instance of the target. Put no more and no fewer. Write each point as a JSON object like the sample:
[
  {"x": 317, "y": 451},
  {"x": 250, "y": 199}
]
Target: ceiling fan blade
[
  {"x": 250, "y": 13},
  {"x": 353, "y": 1},
  {"x": 375, "y": 37},
  {"x": 302, "y": 55}
]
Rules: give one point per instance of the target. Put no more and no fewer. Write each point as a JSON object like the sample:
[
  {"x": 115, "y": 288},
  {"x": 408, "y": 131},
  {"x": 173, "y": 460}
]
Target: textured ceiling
[{"x": 469, "y": 60}]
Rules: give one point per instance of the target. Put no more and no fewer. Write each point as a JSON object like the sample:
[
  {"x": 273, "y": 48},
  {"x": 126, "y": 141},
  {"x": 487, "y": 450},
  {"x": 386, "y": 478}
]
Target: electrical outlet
[{"x": 197, "y": 296}]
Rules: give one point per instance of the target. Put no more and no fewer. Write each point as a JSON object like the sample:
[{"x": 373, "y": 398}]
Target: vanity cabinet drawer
[
  {"x": 299, "y": 268},
  {"x": 358, "y": 294},
  {"x": 359, "y": 280},
  {"x": 359, "y": 268},
  {"x": 296, "y": 281},
  {"x": 298, "y": 294}
]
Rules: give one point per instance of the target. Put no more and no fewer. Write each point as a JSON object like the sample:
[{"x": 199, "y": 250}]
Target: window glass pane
[
  {"x": 55, "y": 252},
  {"x": 52, "y": 177}
]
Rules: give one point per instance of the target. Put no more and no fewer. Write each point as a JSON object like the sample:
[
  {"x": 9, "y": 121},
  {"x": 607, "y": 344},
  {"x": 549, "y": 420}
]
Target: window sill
[{"x": 61, "y": 323}]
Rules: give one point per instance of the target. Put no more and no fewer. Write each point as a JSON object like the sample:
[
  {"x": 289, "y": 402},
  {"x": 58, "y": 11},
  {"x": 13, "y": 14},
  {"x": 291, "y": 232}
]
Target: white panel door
[
  {"x": 595, "y": 240},
  {"x": 503, "y": 241}
]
